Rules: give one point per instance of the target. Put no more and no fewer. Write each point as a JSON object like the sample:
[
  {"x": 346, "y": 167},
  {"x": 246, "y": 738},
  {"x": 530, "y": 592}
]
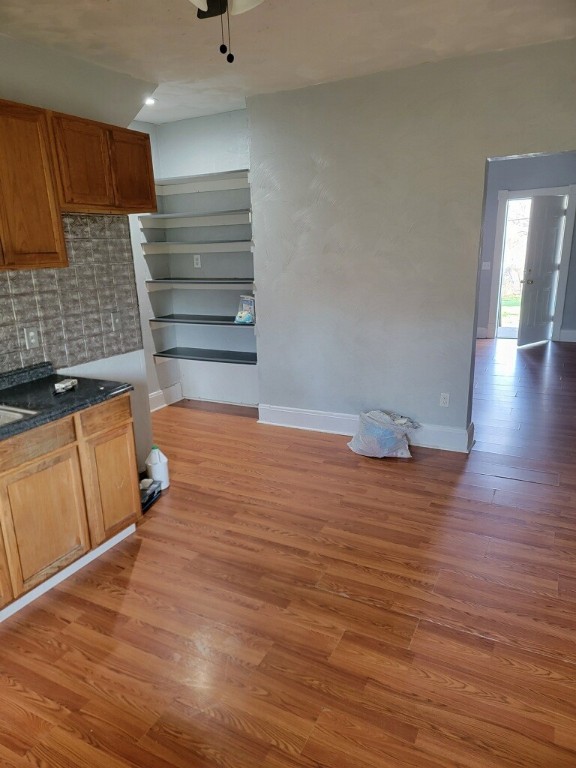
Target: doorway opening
[
  {"x": 506, "y": 371},
  {"x": 516, "y": 226},
  {"x": 530, "y": 264}
]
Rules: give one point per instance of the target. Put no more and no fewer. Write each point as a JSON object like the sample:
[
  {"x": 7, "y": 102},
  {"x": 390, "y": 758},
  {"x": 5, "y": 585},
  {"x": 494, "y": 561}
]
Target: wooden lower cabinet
[
  {"x": 64, "y": 489},
  {"x": 43, "y": 515},
  {"x": 110, "y": 472}
]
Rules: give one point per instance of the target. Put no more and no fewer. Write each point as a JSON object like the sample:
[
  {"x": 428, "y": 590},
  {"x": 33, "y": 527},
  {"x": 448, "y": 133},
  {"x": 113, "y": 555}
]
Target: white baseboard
[
  {"x": 315, "y": 421},
  {"x": 163, "y": 397},
  {"x": 428, "y": 436},
  {"x": 444, "y": 438},
  {"x": 481, "y": 333},
  {"x": 77, "y": 565},
  {"x": 567, "y": 335}
]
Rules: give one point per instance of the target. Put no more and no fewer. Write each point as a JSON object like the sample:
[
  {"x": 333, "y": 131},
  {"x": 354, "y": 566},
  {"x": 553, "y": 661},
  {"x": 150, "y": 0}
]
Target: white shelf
[
  {"x": 190, "y": 284},
  {"x": 165, "y": 249},
  {"x": 210, "y": 182},
  {"x": 179, "y": 220}
]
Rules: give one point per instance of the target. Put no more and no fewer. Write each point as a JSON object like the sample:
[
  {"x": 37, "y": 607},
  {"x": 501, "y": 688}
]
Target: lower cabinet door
[
  {"x": 113, "y": 487},
  {"x": 43, "y": 519}
]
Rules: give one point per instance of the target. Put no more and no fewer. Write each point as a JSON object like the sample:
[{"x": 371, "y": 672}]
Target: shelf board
[
  {"x": 200, "y": 320},
  {"x": 209, "y": 182},
  {"x": 208, "y": 355},
  {"x": 226, "y": 246},
  {"x": 178, "y": 220},
  {"x": 206, "y": 283}
]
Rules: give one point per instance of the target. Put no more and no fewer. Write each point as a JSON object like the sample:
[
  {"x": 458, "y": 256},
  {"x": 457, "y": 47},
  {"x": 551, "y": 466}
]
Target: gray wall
[
  {"x": 367, "y": 198},
  {"x": 516, "y": 174},
  {"x": 44, "y": 77},
  {"x": 203, "y": 145}
]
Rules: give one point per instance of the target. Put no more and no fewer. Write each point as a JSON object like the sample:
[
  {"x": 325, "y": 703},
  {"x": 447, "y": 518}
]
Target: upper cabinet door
[
  {"x": 31, "y": 233},
  {"x": 132, "y": 170},
  {"x": 83, "y": 159}
]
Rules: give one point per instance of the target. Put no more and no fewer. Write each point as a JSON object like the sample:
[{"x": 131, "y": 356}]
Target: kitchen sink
[{"x": 8, "y": 414}]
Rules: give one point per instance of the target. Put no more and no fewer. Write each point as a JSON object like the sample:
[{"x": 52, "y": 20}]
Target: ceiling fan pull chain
[
  {"x": 223, "y": 47},
  {"x": 230, "y": 57}
]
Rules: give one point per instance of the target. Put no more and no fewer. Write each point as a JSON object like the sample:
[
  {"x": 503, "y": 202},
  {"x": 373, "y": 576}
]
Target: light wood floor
[{"x": 289, "y": 604}]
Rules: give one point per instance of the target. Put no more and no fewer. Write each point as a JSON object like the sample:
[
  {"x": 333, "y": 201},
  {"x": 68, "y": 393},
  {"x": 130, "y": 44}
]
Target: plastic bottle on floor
[{"x": 157, "y": 467}]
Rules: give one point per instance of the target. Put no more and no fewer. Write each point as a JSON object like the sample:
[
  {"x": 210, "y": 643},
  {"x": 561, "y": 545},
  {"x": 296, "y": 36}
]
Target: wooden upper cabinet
[
  {"x": 132, "y": 170},
  {"x": 102, "y": 169},
  {"x": 31, "y": 233},
  {"x": 83, "y": 159}
]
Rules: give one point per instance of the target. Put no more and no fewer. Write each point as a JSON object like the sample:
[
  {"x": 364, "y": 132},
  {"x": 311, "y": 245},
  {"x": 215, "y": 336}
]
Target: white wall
[
  {"x": 44, "y": 77},
  {"x": 125, "y": 368},
  {"x": 203, "y": 145},
  {"x": 367, "y": 198}
]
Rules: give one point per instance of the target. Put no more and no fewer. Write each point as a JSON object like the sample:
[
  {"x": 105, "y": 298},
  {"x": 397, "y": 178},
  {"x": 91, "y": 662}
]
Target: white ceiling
[{"x": 280, "y": 45}]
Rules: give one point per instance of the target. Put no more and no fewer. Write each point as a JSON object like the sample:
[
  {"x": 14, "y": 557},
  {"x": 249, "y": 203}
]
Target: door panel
[
  {"x": 545, "y": 238},
  {"x": 30, "y": 225},
  {"x": 83, "y": 158},
  {"x": 43, "y": 518}
]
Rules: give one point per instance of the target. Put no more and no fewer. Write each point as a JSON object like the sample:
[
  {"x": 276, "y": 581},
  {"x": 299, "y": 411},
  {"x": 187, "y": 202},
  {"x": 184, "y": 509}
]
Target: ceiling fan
[
  {"x": 218, "y": 7},
  {"x": 207, "y": 9}
]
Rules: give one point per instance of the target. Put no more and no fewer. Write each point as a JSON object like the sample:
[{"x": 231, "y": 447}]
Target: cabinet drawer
[
  {"x": 106, "y": 416},
  {"x": 30, "y": 445}
]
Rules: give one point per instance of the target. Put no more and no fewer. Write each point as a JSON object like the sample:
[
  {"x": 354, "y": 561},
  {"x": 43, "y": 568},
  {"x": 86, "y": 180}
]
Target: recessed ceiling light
[{"x": 149, "y": 101}]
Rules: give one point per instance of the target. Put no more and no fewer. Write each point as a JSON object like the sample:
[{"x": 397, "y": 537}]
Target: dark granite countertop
[{"x": 32, "y": 388}]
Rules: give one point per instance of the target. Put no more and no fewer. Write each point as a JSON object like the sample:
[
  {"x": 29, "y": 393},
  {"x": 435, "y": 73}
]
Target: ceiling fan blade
[
  {"x": 202, "y": 5},
  {"x": 241, "y": 6}
]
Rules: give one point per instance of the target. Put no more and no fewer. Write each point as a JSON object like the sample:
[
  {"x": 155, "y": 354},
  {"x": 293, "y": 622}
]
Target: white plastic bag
[{"x": 383, "y": 433}]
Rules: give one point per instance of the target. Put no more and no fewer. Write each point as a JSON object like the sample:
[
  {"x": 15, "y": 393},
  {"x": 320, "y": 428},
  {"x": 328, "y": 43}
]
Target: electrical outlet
[
  {"x": 444, "y": 399},
  {"x": 197, "y": 261},
  {"x": 116, "y": 321},
  {"x": 32, "y": 338}
]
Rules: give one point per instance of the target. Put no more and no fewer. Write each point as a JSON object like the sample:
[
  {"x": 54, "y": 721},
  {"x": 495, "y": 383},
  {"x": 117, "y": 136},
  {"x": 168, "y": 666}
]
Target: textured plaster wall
[{"x": 367, "y": 201}]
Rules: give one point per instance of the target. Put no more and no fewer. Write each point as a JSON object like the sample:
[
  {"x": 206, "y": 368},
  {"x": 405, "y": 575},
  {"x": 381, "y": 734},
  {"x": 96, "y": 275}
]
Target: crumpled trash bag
[{"x": 383, "y": 433}]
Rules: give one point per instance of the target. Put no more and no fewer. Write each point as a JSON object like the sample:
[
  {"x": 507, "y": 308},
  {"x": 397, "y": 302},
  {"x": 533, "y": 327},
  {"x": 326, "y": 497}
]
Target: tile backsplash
[{"x": 72, "y": 307}]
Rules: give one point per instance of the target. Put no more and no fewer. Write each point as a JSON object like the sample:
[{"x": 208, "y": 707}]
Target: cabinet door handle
[{"x": 528, "y": 282}]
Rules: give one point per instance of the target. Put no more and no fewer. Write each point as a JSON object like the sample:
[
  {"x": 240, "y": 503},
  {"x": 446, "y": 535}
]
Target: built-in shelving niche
[{"x": 205, "y": 218}]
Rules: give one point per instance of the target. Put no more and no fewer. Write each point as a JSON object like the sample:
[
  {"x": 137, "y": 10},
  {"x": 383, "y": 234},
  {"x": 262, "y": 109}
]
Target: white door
[{"x": 543, "y": 256}]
